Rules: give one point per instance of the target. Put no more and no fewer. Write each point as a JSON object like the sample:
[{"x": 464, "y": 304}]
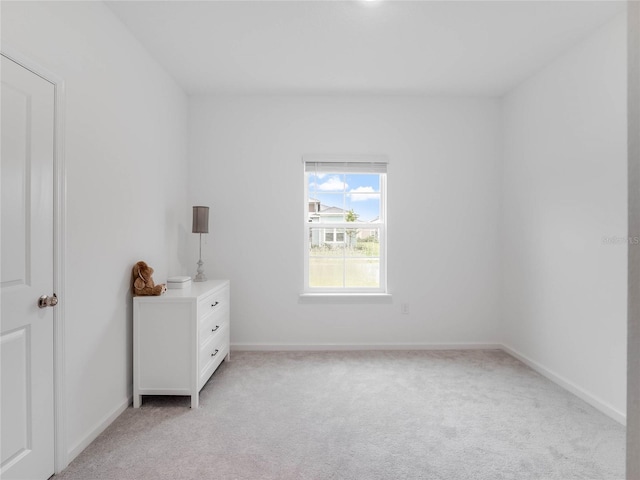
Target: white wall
[
  {"x": 564, "y": 192},
  {"x": 126, "y": 179},
  {"x": 633, "y": 340},
  {"x": 245, "y": 163}
]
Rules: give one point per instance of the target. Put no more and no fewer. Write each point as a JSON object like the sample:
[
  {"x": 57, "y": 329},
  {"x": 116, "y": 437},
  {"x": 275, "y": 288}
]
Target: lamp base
[{"x": 201, "y": 277}]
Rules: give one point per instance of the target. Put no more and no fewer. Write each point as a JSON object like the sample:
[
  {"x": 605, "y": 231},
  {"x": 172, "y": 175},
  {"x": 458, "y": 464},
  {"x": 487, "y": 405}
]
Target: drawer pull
[
  {"x": 215, "y": 353},
  {"x": 214, "y": 304},
  {"x": 214, "y": 329}
]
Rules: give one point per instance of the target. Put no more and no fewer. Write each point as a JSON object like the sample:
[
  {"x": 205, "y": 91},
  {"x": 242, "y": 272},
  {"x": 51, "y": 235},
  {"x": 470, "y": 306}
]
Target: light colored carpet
[{"x": 362, "y": 415}]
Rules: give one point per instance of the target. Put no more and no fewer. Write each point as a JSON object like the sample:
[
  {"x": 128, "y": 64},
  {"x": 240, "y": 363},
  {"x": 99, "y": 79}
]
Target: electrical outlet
[{"x": 404, "y": 308}]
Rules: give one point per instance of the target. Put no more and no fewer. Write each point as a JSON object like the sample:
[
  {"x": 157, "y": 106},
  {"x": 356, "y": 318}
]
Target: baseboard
[
  {"x": 330, "y": 347},
  {"x": 579, "y": 392},
  {"x": 97, "y": 430}
]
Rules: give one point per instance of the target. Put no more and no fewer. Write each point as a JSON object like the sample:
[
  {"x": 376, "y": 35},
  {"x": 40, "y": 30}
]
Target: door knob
[{"x": 45, "y": 301}]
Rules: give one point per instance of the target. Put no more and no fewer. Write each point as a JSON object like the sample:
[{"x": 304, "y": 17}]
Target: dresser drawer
[
  {"x": 207, "y": 370},
  {"x": 211, "y": 325},
  {"x": 215, "y": 302}
]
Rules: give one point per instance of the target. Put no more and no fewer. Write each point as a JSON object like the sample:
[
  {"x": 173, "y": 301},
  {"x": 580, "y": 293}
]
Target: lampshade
[{"x": 200, "y": 220}]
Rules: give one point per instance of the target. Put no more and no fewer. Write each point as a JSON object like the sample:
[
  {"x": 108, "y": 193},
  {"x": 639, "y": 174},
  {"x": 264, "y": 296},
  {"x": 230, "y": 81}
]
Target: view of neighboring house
[
  {"x": 333, "y": 236},
  {"x": 369, "y": 233}
]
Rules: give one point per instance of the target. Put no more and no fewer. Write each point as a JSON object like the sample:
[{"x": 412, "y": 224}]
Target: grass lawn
[{"x": 332, "y": 271}]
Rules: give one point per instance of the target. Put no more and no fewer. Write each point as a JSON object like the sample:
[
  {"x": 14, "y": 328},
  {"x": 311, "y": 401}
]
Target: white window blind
[{"x": 345, "y": 167}]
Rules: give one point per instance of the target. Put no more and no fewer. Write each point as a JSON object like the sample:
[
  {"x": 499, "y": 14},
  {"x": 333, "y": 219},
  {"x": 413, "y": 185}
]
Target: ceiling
[{"x": 358, "y": 47}]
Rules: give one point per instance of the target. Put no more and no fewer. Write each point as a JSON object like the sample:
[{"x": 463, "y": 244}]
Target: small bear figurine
[{"x": 143, "y": 282}]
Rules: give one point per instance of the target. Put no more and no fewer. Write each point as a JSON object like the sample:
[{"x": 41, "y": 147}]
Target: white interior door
[{"x": 26, "y": 331}]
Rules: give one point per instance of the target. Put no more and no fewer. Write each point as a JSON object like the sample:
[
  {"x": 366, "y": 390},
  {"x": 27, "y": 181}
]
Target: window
[
  {"x": 345, "y": 225},
  {"x": 333, "y": 235}
]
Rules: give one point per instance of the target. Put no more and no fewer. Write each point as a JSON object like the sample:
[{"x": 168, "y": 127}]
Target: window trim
[{"x": 344, "y": 161}]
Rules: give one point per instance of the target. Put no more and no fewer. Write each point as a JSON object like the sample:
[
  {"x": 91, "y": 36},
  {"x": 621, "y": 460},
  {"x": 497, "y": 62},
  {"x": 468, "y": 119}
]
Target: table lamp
[{"x": 200, "y": 225}]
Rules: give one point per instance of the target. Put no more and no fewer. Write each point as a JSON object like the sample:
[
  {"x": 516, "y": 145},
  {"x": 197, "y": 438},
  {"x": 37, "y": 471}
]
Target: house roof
[{"x": 325, "y": 209}]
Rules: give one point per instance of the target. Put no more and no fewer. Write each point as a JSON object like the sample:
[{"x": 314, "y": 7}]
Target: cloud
[
  {"x": 363, "y": 193},
  {"x": 333, "y": 184}
]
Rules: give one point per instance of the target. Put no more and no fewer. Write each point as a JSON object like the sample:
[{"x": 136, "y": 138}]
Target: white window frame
[{"x": 356, "y": 164}]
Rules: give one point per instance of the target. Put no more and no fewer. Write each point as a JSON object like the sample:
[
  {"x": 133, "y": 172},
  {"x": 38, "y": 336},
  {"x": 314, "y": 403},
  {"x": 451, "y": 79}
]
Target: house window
[{"x": 345, "y": 225}]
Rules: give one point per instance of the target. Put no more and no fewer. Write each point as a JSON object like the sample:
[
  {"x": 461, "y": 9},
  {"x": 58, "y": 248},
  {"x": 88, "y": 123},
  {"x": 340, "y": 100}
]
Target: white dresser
[{"x": 179, "y": 339}]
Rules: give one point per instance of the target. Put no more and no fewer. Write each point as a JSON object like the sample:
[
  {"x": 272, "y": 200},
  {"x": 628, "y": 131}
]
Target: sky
[{"x": 357, "y": 192}]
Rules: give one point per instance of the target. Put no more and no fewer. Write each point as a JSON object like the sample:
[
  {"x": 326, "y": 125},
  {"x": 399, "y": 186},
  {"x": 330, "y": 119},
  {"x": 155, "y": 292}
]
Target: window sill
[{"x": 345, "y": 298}]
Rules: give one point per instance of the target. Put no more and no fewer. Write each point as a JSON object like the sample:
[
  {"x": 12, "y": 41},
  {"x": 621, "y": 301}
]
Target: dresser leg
[
  {"x": 194, "y": 400},
  {"x": 137, "y": 401}
]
